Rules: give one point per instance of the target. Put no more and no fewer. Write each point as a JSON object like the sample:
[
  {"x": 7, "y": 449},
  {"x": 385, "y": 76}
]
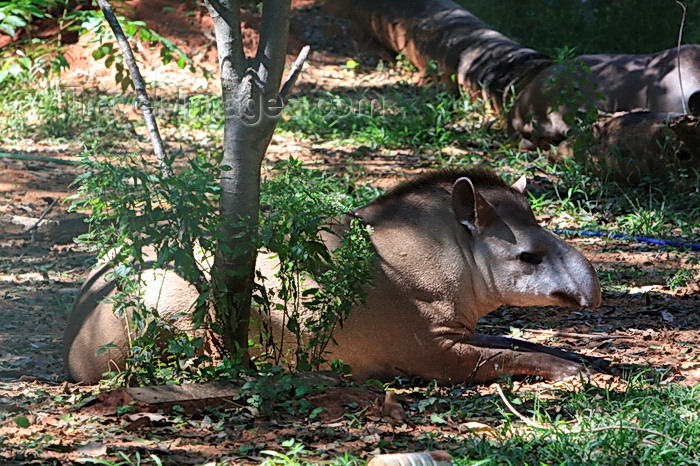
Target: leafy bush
[
  {"x": 301, "y": 205},
  {"x": 133, "y": 205},
  {"x": 20, "y": 13},
  {"x": 28, "y": 59}
]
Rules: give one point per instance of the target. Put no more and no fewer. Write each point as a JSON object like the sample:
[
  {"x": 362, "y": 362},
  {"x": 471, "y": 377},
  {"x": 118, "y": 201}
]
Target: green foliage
[
  {"x": 301, "y": 205},
  {"x": 16, "y": 14},
  {"x": 134, "y": 205},
  {"x": 291, "y": 457},
  {"x": 594, "y": 26},
  {"x": 22, "y": 422},
  {"x": 34, "y": 60},
  {"x": 573, "y": 77},
  {"x": 643, "y": 425},
  {"x": 683, "y": 276},
  {"x": 107, "y": 48},
  {"x": 125, "y": 460}
]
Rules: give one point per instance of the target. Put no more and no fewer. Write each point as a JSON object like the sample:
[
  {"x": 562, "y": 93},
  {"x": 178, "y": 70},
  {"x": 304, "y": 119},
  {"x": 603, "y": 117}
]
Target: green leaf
[
  {"x": 98, "y": 54},
  {"x": 22, "y": 421}
]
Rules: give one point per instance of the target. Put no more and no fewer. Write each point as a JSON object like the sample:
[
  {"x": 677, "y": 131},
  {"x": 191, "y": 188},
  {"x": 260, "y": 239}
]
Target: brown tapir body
[
  {"x": 614, "y": 83},
  {"x": 450, "y": 247},
  {"x": 631, "y": 146}
]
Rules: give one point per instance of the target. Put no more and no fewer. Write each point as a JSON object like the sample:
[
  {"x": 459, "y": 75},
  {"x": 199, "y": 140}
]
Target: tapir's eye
[{"x": 530, "y": 258}]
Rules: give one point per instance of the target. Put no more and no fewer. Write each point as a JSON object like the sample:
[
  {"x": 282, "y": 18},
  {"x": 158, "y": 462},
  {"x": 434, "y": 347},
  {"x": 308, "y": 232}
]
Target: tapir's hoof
[
  {"x": 586, "y": 366},
  {"x": 597, "y": 364}
]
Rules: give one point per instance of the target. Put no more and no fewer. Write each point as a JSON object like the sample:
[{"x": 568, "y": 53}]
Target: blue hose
[{"x": 640, "y": 239}]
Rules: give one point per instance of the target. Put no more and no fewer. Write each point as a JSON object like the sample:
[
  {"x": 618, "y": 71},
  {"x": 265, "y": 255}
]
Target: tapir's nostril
[
  {"x": 566, "y": 299},
  {"x": 588, "y": 301},
  {"x": 569, "y": 300}
]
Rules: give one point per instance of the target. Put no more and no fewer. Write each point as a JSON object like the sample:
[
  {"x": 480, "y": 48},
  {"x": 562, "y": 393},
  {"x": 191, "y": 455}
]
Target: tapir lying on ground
[
  {"x": 612, "y": 83},
  {"x": 629, "y": 147},
  {"x": 450, "y": 246}
]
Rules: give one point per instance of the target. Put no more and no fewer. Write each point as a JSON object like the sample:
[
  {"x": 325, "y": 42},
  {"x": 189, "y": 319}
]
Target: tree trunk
[
  {"x": 484, "y": 61},
  {"x": 250, "y": 88}
]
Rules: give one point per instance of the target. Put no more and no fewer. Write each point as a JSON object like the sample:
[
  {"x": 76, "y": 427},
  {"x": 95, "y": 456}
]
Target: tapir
[
  {"x": 449, "y": 246},
  {"x": 609, "y": 82}
]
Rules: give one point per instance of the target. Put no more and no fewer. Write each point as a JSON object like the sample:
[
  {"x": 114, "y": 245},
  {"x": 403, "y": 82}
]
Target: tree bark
[{"x": 252, "y": 105}]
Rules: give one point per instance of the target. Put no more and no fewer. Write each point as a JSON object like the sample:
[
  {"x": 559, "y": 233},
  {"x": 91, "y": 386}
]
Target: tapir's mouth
[{"x": 565, "y": 299}]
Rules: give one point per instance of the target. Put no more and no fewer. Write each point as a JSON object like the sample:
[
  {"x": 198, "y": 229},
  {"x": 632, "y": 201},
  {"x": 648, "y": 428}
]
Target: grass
[
  {"x": 641, "y": 425},
  {"x": 428, "y": 119}
]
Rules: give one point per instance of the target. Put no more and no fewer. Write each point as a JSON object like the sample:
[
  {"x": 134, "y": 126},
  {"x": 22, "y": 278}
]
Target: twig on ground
[
  {"x": 33, "y": 228},
  {"x": 41, "y": 217},
  {"x": 527, "y": 421}
]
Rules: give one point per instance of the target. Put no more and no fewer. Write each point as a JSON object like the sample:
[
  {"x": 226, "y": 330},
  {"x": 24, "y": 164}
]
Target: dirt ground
[{"x": 41, "y": 271}]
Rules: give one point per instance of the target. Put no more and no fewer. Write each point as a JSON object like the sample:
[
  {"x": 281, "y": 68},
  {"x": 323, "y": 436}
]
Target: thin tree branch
[
  {"x": 294, "y": 73},
  {"x": 272, "y": 49},
  {"x": 139, "y": 86},
  {"x": 184, "y": 236},
  {"x": 229, "y": 38}
]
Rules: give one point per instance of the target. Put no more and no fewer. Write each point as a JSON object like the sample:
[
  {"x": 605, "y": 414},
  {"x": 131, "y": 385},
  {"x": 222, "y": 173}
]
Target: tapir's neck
[{"x": 418, "y": 251}]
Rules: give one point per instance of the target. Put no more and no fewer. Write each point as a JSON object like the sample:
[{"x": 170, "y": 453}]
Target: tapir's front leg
[
  {"x": 497, "y": 342},
  {"x": 484, "y": 358}
]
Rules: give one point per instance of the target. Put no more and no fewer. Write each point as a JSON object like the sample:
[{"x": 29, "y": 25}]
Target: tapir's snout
[
  {"x": 591, "y": 296},
  {"x": 578, "y": 283},
  {"x": 587, "y": 285},
  {"x": 588, "y": 301}
]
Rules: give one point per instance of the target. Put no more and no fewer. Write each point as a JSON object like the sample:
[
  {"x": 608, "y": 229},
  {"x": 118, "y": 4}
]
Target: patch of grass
[
  {"x": 420, "y": 119},
  {"x": 641, "y": 425},
  {"x": 58, "y": 114}
]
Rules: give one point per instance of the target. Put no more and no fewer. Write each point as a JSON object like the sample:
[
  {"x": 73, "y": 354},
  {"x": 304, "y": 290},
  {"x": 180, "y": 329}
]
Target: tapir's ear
[
  {"x": 470, "y": 208},
  {"x": 520, "y": 185}
]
